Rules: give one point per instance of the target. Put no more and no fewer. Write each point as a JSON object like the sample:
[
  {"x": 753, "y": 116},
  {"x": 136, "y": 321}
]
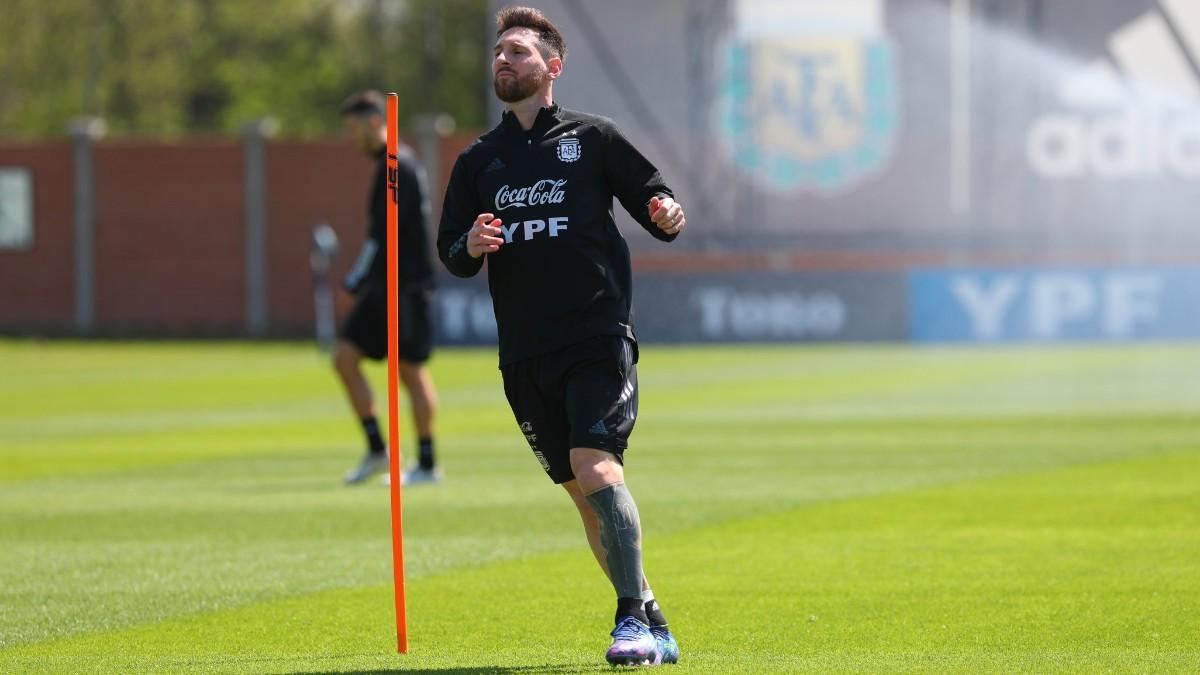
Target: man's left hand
[{"x": 667, "y": 214}]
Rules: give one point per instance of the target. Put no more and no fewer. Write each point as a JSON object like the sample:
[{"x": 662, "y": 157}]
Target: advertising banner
[
  {"x": 1048, "y": 125},
  {"x": 719, "y": 307},
  {"x": 1054, "y": 304}
]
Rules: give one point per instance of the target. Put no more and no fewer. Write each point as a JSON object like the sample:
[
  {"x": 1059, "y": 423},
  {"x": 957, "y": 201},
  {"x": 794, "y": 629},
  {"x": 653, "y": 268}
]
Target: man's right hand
[{"x": 484, "y": 236}]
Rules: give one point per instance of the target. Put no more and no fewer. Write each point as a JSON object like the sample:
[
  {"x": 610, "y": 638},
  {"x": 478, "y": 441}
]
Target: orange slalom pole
[{"x": 393, "y": 298}]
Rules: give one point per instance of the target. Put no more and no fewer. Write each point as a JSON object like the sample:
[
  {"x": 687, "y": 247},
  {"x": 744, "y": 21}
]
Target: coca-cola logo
[{"x": 543, "y": 192}]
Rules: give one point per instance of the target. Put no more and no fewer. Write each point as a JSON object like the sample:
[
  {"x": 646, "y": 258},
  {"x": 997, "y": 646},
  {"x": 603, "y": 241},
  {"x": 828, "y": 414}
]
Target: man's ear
[{"x": 554, "y": 67}]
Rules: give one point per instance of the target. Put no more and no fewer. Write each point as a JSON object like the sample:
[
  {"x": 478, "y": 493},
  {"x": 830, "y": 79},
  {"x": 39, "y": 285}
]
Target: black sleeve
[
  {"x": 369, "y": 262},
  {"x": 459, "y": 211},
  {"x": 378, "y": 212},
  {"x": 633, "y": 180},
  {"x": 413, "y": 208},
  {"x": 412, "y": 214}
]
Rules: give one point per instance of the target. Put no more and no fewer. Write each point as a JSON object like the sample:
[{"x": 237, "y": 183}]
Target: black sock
[
  {"x": 655, "y": 614},
  {"x": 374, "y": 440},
  {"x": 426, "y": 456},
  {"x": 631, "y": 607}
]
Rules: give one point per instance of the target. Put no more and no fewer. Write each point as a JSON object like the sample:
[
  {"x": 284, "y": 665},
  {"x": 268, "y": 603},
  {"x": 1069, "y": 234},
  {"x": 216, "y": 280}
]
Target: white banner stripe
[
  {"x": 1146, "y": 50},
  {"x": 1185, "y": 14}
]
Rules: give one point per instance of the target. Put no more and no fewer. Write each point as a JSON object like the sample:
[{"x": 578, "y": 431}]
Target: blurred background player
[{"x": 364, "y": 333}]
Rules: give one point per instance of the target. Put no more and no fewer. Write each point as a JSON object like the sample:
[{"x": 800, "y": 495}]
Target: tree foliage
[{"x": 172, "y": 67}]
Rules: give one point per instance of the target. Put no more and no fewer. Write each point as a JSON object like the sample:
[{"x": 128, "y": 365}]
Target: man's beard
[{"x": 516, "y": 88}]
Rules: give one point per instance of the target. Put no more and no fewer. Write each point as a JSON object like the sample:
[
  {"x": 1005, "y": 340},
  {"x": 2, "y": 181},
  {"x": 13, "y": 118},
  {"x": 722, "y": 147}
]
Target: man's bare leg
[
  {"x": 422, "y": 399},
  {"x": 347, "y": 362}
]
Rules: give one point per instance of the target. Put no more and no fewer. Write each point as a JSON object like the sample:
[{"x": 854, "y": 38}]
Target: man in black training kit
[
  {"x": 365, "y": 332},
  {"x": 534, "y": 197}
]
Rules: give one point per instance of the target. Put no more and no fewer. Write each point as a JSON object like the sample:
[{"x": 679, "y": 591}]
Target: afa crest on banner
[{"x": 808, "y": 96}]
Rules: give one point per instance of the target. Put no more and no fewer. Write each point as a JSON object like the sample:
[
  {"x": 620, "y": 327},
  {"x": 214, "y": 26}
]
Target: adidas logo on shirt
[{"x": 496, "y": 165}]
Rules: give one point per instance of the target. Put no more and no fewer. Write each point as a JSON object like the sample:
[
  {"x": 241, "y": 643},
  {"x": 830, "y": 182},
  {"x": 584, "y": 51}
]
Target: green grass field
[{"x": 174, "y": 507}]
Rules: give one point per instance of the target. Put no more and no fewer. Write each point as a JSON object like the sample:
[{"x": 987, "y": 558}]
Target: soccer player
[
  {"x": 365, "y": 333},
  {"x": 533, "y": 197}
]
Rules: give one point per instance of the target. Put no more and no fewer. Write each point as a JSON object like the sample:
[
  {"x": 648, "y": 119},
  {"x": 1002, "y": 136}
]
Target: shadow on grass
[{"x": 480, "y": 670}]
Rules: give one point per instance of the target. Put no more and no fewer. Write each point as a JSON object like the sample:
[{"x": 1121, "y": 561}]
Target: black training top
[
  {"x": 369, "y": 273},
  {"x": 563, "y": 274}
]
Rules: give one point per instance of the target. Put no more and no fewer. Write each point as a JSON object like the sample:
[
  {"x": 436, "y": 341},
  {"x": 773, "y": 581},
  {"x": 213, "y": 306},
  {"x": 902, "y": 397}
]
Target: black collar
[{"x": 545, "y": 120}]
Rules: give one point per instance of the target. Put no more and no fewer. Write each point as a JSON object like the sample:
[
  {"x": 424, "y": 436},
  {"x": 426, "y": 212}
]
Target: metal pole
[
  {"x": 84, "y": 132},
  {"x": 960, "y": 108},
  {"x": 255, "y": 166},
  {"x": 324, "y": 248}
]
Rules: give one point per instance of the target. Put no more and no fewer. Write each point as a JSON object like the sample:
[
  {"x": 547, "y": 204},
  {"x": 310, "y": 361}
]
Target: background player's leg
[
  {"x": 347, "y": 361},
  {"x": 422, "y": 397}
]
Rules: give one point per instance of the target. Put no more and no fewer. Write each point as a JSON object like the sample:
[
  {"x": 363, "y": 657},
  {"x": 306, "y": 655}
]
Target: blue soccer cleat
[
  {"x": 633, "y": 644},
  {"x": 668, "y": 648}
]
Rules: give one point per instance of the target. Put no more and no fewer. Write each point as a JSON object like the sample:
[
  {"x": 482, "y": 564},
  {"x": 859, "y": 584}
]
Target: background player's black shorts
[
  {"x": 366, "y": 326},
  {"x": 581, "y": 396}
]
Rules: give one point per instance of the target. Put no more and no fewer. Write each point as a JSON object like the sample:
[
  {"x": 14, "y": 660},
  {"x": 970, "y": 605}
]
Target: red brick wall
[
  {"x": 37, "y": 286},
  {"x": 308, "y": 184},
  {"x": 170, "y": 237},
  {"x": 170, "y": 234}
]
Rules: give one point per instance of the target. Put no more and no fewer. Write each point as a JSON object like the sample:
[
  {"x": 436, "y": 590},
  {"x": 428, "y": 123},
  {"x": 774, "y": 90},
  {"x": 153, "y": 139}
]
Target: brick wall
[
  {"x": 170, "y": 234},
  {"x": 306, "y": 185},
  {"x": 169, "y": 238},
  {"x": 37, "y": 285}
]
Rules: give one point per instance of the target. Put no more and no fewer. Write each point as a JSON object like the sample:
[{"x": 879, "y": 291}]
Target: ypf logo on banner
[{"x": 808, "y": 97}]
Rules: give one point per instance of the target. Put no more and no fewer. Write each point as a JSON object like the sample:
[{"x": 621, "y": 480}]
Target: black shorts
[
  {"x": 581, "y": 396},
  {"x": 366, "y": 326}
]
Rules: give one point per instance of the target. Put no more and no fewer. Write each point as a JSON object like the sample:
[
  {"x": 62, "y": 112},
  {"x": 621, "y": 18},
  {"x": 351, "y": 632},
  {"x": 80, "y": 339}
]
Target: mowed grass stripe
[
  {"x": 69, "y": 407},
  {"x": 1084, "y": 569},
  {"x": 86, "y": 553},
  {"x": 109, "y": 528}
]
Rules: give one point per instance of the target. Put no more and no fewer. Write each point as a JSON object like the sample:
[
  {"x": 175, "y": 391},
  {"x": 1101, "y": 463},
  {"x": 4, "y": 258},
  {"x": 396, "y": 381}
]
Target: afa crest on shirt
[
  {"x": 801, "y": 109},
  {"x": 569, "y": 149}
]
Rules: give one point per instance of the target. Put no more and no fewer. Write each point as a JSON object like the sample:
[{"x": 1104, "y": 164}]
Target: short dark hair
[
  {"x": 364, "y": 104},
  {"x": 552, "y": 43}
]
